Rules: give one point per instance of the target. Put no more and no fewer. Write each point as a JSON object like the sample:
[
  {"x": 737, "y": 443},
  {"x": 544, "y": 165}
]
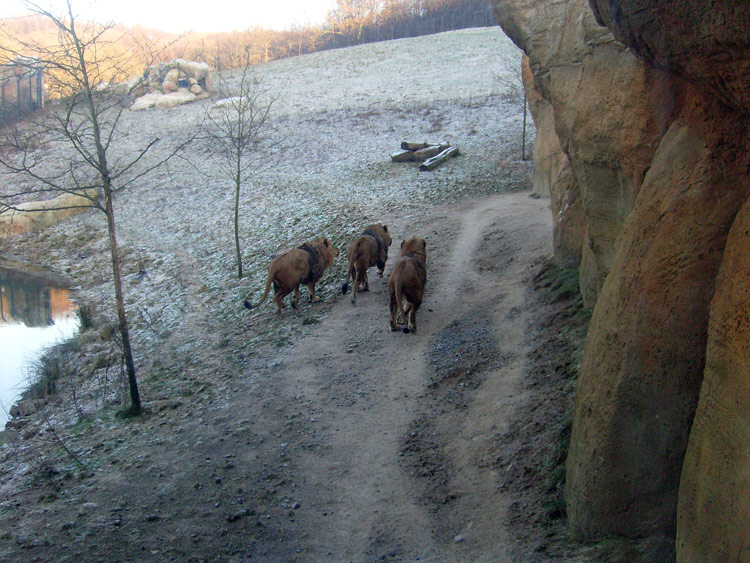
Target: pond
[{"x": 35, "y": 312}]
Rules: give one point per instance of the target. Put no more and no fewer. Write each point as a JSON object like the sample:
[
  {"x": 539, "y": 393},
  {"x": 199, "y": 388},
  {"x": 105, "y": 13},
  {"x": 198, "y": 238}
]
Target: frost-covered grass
[{"x": 337, "y": 116}]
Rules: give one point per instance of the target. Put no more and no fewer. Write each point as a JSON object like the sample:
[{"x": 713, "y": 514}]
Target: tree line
[{"x": 351, "y": 22}]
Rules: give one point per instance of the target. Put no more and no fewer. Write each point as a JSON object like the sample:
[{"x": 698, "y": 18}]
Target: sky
[{"x": 190, "y": 15}]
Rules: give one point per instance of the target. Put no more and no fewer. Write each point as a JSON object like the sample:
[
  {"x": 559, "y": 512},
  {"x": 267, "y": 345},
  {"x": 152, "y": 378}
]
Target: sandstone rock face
[
  {"x": 553, "y": 178},
  {"x": 585, "y": 74},
  {"x": 706, "y": 42},
  {"x": 653, "y": 115},
  {"x": 713, "y": 513},
  {"x": 643, "y": 363}
]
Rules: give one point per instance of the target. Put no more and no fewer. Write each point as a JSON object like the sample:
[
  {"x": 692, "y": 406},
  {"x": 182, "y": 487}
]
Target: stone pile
[{"x": 174, "y": 83}]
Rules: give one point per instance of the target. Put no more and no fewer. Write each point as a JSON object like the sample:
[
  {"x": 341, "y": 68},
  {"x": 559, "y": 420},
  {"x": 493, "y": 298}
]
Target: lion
[
  {"x": 367, "y": 250},
  {"x": 303, "y": 265},
  {"x": 407, "y": 281}
]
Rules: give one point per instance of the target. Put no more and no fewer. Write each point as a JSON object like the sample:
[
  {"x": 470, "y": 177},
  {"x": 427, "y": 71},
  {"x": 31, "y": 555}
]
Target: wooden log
[
  {"x": 416, "y": 146},
  {"x": 429, "y": 152},
  {"x": 402, "y": 156},
  {"x": 436, "y": 161}
]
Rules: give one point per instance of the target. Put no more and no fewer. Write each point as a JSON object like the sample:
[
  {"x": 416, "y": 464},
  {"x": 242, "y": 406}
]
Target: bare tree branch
[
  {"x": 234, "y": 127},
  {"x": 68, "y": 149}
]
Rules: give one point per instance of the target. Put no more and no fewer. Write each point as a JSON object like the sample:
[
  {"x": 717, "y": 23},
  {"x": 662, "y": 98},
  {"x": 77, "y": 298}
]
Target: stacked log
[{"x": 431, "y": 155}]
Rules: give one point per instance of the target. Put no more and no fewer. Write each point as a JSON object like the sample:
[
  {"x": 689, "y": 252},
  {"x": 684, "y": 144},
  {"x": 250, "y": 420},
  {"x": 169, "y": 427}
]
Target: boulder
[
  {"x": 27, "y": 407},
  {"x": 198, "y": 71},
  {"x": 175, "y": 75},
  {"x": 8, "y": 436},
  {"x": 181, "y": 96},
  {"x": 208, "y": 82},
  {"x": 176, "y": 63},
  {"x": 168, "y": 87},
  {"x": 38, "y": 215},
  {"x": 146, "y": 102}
]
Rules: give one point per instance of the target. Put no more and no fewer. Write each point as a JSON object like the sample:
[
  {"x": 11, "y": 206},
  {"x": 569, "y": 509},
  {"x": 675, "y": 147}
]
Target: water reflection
[{"x": 35, "y": 312}]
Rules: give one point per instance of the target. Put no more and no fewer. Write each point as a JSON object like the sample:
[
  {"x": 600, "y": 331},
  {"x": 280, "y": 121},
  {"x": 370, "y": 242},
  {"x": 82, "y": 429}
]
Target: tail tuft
[
  {"x": 345, "y": 288},
  {"x": 248, "y": 304},
  {"x": 406, "y": 330}
]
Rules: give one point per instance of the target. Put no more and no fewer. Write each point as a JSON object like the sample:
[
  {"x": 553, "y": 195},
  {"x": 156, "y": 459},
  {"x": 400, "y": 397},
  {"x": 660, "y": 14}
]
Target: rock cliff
[
  {"x": 552, "y": 168},
  {"x": 649, "y": 102}
]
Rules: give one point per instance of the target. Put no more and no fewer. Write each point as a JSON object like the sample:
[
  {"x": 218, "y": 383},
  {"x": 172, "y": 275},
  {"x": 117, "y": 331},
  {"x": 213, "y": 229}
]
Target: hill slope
[{"x": 321, "y": 434}]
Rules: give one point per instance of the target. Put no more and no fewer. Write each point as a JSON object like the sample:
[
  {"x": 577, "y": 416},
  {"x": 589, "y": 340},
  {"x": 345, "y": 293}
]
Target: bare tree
[
  {"x": 71, "y": 148},
  {"x": 511, "y": 78},
  {"x": 234, "y": 126}
]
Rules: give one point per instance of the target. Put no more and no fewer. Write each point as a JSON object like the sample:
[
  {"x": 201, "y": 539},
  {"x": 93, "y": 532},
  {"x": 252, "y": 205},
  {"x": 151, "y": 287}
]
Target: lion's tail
[
  {"x": 400, "y": 305},
  {"x": 249, "y": 305},
  {"x": 349, "y": 275}
]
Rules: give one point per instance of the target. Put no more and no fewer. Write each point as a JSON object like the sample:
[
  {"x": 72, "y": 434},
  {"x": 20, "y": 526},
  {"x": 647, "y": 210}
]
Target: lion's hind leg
[
  {"x": 355, "y": 285},
  {"x": 402, "y": 319},
  {"x": 295, "y": 299},
  {"x": 278, "y": 298},
  {"x": 380, "y": 265},
  {"x": 360, "y": 278},
  {"x": 311, "y": 287},
  {"x": 411, "y": 325},
  {"x": 411, "y": 313},
  {"x": 394, "y": 311}
]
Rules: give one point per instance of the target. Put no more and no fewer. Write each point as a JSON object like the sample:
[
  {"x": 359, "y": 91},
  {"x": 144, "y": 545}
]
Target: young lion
[
  {"x": 302, "y": 265},
  {"x": 407, "y": 282},
  {"x": 369, "y": 249}
]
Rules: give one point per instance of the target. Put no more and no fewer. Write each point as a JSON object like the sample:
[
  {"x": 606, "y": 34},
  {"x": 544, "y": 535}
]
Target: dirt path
[
  {"x": 403, "y": 424},
  {"x": 352, "y": 444}
]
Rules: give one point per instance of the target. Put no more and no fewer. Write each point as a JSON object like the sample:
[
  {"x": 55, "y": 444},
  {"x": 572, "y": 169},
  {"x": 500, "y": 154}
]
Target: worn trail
[{"x": 363, "y": 387}]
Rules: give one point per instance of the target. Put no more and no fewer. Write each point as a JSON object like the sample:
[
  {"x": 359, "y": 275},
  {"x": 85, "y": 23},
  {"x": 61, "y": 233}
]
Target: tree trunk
[
  {"x": 429, "y": 152},
  {"x": 237, "y": 227},
  {"x": 436, "y": 161},
  {"x": 402, "y": 156},
  {"x": 135, "y": 397},
  {"x": 523, "y": 137},
  {"x": 407, "y": 146}
]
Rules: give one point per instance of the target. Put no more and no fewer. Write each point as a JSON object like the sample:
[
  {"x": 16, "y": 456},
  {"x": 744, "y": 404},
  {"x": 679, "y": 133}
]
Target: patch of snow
[{"x": 327, "y": 171}]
